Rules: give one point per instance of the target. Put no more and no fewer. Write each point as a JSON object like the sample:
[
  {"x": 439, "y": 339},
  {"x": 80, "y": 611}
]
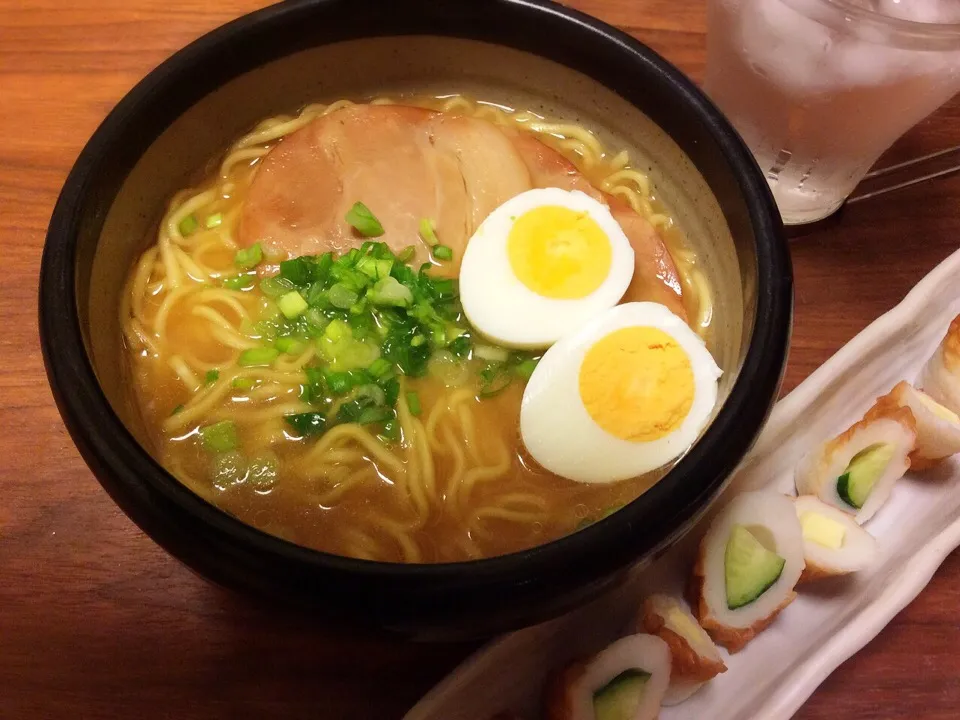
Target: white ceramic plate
[{"x": 830, "y": 621}]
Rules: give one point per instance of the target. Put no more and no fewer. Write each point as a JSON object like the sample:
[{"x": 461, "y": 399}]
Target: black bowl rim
[{"x": 675, "y": 500}]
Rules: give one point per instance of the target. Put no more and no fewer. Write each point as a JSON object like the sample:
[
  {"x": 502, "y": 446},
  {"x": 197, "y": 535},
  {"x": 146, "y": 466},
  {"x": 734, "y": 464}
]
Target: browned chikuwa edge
[{"x": 97, "y": 622}]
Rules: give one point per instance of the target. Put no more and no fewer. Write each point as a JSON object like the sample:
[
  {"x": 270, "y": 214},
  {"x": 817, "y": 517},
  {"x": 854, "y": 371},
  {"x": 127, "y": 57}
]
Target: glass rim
[{"x": 849, "y": 17}]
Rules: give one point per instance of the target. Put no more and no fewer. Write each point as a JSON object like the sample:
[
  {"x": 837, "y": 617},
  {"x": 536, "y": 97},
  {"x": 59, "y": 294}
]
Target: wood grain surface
[{"x": 97, "y": 622}]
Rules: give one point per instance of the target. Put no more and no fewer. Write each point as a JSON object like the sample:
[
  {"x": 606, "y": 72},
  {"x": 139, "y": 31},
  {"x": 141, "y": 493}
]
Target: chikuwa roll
[
  {"x": 940, "y": 377},
  {"x": 856, "y": 470},
  {"x": 625, "y": 681},
  {"x": 695, "y": 659},
  {"x": 938, "y": 427},
  {"x": 749, "y": 563},
  {"x": 833, "y": 542}
]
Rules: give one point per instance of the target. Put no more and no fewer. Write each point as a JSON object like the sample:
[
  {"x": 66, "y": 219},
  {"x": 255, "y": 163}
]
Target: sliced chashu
[{"x": 408, "y": 163}]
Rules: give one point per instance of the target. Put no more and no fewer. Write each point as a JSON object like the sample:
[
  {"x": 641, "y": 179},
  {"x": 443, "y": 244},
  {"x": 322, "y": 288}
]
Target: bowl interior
[{"x": 395, "y": 66}]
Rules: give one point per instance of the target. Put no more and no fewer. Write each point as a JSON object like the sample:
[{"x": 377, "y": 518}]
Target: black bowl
[{"x": 207, "y": 94}]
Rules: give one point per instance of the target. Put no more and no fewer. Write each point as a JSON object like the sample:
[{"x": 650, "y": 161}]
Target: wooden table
[{"x": 97, "y": 622}]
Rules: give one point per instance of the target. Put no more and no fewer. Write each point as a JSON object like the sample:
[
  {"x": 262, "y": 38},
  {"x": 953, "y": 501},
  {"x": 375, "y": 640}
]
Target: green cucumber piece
[
  {"x": 749, "y": 568},
  {"x": 620, "y": 698},
  {"x": 866, "y": 467}
]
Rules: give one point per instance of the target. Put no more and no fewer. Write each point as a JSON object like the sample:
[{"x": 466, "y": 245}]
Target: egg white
[
  {"x": 505, "y": 310},
  {"x": 560, "y": 434}
]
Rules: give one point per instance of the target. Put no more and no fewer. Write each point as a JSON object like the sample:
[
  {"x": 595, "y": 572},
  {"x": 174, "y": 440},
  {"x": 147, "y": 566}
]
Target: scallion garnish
[
  {"x": 491, "y": 353},
  {"x": 238, "y": 282},
  {"x": 292, "y": 305},
  {"x": 248, "y": 258},
  {"x": 413, "y": 402},
  {"x": 290, "y": 346},
  {"x": 428, "y": 232},
  {"x": 363, "y": 221},
  {"x": 442, "y": 252},
  {"x": 214, "y": 220},
  {"x": 274, "y": 287},
  {"x": 494, "y": 379},
  {"x": 188, "y": 225},
  {"x": 212, "y": 376},
  {"x": 243, "y": 383},
  {"x": 258, "y": 357},
  {"x": 220, "y": 437},
  {"x": 525, "y": 368},
  {"x": 308, "y": 423}
]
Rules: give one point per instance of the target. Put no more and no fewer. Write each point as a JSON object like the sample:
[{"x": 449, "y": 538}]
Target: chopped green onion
[
  {"x": 342, "y": 350},
  {"x": 341, "y": 296},
  {"x": 299, "y": 271},
  {"x": 339, "y": 382},
  {"x": 445, "y": 289},
  {"x": 220, "y": 437},
  {"x": 316, "y": 319},
  {"x": 323, "y": 266},
  {"x": 461, "y": 346},
  {"x": 274, "y": 287},
  {"x": 379, "y": 368},
  {"x": 374, "y": 415},
  {"x": 188, "y": 225},
  {"x": 413, "y": 402},
  {"x": 292, "y": 305},
  {"x": 490, "y": 353},
  {"x": 360, "y": 218},
  {"x": 493, "y": 379},
  {"x": 428, "y": 232},
  {"x": 243, "y": 383},
  {"x": 177, "y": 409},
  {"x": 388, "y": 292},
  {"x": 406, "y": 255},
  {"x": 391, "y": 391},
  {"x": 212, "y": 376},
  {"x": 391, "y": 430},
  {"x": 249, "y": 258},
  {"x": 525, "y": 369},
  {"x": 442, "y": 252},
  {"x": 448, "y": 369},
  {"x": 373, "y": 392},
  {"x": 375, "y": 268},
  {"x": 258, "y": 357},
  {"x": 417, "y": 340},
  {"x": 290, "y": 346},
  {"x": 238, "y": 282},
  {"x": 308, "y": 423},
  {"x": 214, "y": 220}
]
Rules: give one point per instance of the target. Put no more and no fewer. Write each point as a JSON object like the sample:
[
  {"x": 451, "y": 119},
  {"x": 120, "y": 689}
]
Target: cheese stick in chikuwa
[
  {"x": 856, "y": 470},
  {"x": 625, "y": 681},
  {"x": 940, "y": 377},
  {"x": 833, "y": 542},
  {"x": 938, "y": 427},
  {"x": 695, "y": 659},
  {"x": 749, "y": 563}
]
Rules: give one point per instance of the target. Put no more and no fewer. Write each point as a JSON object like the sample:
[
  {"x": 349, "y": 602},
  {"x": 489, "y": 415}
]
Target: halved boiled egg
[
  {"x": 626, "y": 394},
  {"x": 541, "y": 265}
]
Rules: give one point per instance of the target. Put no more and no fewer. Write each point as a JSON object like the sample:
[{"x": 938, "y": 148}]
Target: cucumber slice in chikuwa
[
  {"x": 749, "y": 568},
  {"x": 620, "y": 698},
  {"x": 866, "y": 467}
]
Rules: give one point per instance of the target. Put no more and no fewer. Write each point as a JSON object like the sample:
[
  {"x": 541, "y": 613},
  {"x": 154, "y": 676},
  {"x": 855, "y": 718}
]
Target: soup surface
[{"x": 347, "y": 424}]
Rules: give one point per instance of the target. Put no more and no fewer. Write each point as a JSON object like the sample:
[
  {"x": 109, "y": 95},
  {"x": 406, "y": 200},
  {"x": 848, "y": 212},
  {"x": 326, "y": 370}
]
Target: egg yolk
[
  {"x": 637, "y": 384},
  {"x": 559, "y": 253}
]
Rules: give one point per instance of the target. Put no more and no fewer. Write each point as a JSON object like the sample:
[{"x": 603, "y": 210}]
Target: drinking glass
[{"x": 820, "y": 88}]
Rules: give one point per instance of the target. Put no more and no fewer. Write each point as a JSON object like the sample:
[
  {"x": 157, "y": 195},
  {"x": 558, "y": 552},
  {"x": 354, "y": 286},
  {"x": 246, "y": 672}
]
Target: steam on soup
[{"x": 332, "y": 333}]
